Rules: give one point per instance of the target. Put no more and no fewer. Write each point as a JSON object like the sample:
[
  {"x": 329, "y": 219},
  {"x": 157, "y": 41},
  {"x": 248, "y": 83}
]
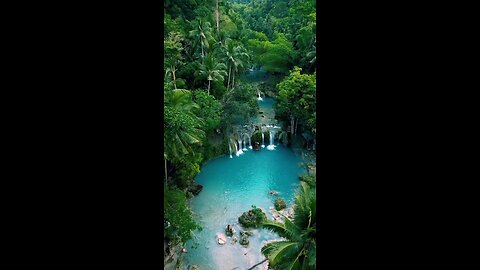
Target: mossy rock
[
  {"x": 252, "y": 218},
  {"x": 244, "y": 241},
  {"x": 229, "y": 230},
  {"x": 280, "y": 204},
  {"x": 257, "y": 137}
]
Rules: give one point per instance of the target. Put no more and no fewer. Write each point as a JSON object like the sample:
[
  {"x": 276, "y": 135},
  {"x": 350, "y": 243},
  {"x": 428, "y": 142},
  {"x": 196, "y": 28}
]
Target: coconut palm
[
  {"x": 213, "y": 70},
  {"x": 297, "y": 250},
  {"x": 181, "y": 125},
  {"x": 235, "y": 55},
  {"x": 201, "y": 33}
]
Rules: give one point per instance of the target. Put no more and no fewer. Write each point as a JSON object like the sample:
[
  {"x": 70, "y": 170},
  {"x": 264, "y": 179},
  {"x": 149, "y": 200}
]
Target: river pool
[{"x": 230, "y": 187}]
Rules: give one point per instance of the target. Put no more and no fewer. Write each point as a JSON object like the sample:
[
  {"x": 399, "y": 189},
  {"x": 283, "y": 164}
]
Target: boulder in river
[
  {"x": 244, "y": 240},
  {"x": 221, "y": 238},
  {"x": 252, "y": 218},
  {"x": 195, "y": 188},
  {"x": 229, "y": 230}
]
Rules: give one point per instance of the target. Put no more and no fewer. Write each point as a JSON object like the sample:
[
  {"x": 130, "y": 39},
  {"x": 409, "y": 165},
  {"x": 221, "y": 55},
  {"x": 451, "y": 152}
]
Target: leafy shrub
[
  {"x": 257, "y": 137},
  {"x": 178, "y": 217}
]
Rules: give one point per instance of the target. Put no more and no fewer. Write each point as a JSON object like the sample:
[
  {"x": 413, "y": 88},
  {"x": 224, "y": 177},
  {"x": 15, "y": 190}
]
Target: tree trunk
[
  {"x": 229, "y": 71},
  {"x": 208, "y": 87},
  {"x": 218, "y": 24},
  {"x": 296, "y": 124},
  {"x": 233, "y": 79},
  {"x": 292, "y": 122},
  {"x": 166, "y": 176},
  {"x": 174, "y": 79}
]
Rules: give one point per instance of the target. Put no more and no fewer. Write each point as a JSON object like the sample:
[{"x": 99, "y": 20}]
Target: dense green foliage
[
  {"x": 239, "y": 104},
  {"x": 296, "y": 100},
  {"x": 208, "y": 45},
  {"x": 178, "y": 217},
  {"x": 309, "y": 179}
]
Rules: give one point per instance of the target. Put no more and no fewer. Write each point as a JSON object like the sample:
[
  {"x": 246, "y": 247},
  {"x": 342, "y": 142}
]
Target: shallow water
[
  {"x": 266, "y": 106},
  {"x": 230, "y": 187}
]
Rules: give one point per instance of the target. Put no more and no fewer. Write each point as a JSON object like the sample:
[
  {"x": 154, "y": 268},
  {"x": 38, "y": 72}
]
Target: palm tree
[
  {"x": 297, "y": 251},
  {"x": 212, "y": 70},
  {"x": 201, "y": 32},
  {"x": 182, "y": 126},
  {"x": 234, "y": 55}
]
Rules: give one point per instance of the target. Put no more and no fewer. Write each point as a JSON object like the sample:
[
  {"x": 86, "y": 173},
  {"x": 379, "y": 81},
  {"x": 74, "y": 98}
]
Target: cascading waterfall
[
  {"x": 230, "y": 149},
  {"x": 245, "y": 140},
  {"x": 239, "y": 151},
  {"x": 271, "y": 146},
  {"x": 259, "y": 97},
  {"x": 263, "y": 140},
  {"x": 249, "y": 141}
]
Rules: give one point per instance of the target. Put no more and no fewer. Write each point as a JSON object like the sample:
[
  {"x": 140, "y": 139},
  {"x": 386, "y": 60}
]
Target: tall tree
[
  {"x": 201, "y": 33},
  {"x": 296, "y": 98},
  {"x": 235, "y": 56},
  {"x": 173, "y": 55},
  {"x": 212, "y": 70},
  {"x": 181, "y": 124}
]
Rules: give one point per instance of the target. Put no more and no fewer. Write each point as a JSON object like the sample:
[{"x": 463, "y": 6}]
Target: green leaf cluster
[
  {"x": 179, "y": 220},
  {"x": 297, "y": 98}
]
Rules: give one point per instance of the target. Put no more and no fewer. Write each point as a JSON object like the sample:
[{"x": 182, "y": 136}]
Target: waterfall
[
  {"x": 249, "y": 141},
  {"x": 263, "y": 140},
  {"x": 239, "y": 151},
  {"x": 230, "y": 149},
  {"x": 271, "y": 146},
  {"x": 244, "y": 143},
  {"x": 259, "y": 97}
]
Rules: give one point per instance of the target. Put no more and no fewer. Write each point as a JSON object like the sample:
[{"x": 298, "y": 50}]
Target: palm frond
[
  {"x": 280, "y": 251},
  {"x": 278, "y": 228}
]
